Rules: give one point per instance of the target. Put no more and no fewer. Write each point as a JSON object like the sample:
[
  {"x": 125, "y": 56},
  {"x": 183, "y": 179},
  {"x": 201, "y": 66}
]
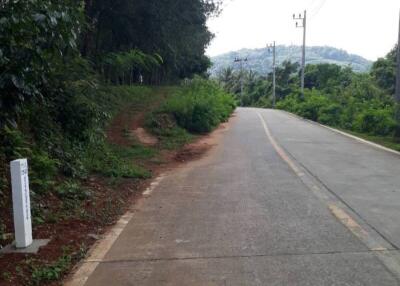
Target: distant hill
[{"x": 260, "y": 60}]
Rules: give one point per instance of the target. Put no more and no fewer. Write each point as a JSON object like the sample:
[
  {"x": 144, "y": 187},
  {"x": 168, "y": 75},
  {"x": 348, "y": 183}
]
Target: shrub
[
  {"x": 330, "y": 114},
  {"x": 43, "y": 171},
  {"x": 370, "y": 112},
  {"x": 42, "y": 168},
  {"x": 198, "y": 107},
  {"x": 312, "y": 104},
  {"x": 377, "y": 122},
  {"x": 72, "y": 190},
  {"x": 289, "y": 103}
]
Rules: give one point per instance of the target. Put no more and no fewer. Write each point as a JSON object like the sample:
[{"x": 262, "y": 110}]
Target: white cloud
[{"x": 365, "y": 27}]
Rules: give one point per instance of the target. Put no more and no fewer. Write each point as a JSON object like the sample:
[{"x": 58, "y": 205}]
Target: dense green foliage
[
  {"x": 334, "y": 95},
  {"x": 56, "y": 154},
  {"x": 37, "y": 38},
  {"x": 174, "y": 29},
  {"x": 197, "y": 107},
  {"x": 384, "y": 71},
  {"x": 124, "y": 42}
]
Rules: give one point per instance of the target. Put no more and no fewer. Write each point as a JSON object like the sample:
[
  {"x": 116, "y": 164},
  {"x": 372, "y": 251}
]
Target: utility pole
[
  {"x": 241, "y": 61},
  {"x": 303, "y": 25},
  {"x": 273, "y": 47},
  {"x": 397, "y": 94}
]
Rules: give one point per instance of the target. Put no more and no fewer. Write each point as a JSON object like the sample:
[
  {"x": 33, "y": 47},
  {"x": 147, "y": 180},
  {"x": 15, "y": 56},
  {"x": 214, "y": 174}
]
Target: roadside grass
[
  {"x": 173, "y": 137},
  {"x": 44, "y": 273},
  {"x": 387, "y": 141},
  {"x": 52, "y": 272},
  {"x": 115, "y": 161}
]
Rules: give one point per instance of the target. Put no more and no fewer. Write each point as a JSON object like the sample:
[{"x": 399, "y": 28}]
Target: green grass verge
[
  {"x": 118, "y": 161},
  {"x": 388, "y": 141}
]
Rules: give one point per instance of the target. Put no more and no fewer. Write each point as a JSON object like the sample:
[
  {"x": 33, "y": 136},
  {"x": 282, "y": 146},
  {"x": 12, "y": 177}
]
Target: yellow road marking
[
  {"x": 352, "y": 225},
  {"x": 340, "y": 214},
  {"x": 278, "y": 148}
]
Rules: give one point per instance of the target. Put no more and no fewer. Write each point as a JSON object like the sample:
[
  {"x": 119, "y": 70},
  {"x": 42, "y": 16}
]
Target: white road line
[
  {"x": 361, "y": 140},
  {"x": 374, "y": 243},
  {"x": 338, "y": 212},
  {"x": 278, "y": 149}
]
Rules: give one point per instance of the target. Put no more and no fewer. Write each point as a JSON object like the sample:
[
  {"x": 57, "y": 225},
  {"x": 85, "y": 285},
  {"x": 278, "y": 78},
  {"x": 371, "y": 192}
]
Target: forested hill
[{"x": 260, "y": 60}]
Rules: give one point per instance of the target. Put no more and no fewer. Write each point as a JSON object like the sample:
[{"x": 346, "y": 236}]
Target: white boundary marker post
[{"x": 21, "y": 203}]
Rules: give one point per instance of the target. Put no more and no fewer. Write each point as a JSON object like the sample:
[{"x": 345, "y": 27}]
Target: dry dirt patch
[{"x": 144, "y": 137}]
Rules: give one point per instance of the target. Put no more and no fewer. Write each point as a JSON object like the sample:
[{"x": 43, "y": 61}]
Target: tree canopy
[
  {"x": 384, "y": 71},
  {"x": 174, "y": 29},
  {"x": 45, "y": 42}
]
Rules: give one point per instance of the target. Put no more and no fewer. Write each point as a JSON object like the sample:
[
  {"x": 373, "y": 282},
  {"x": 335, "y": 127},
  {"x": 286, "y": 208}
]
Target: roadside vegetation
[
  {"x": 362, "y": 103},
  {"x": 77, "y": 78},
  {"x": 198, "y": 107}
]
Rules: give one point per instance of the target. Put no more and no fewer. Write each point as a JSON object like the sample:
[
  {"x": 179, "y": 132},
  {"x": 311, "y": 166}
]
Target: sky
[{"x": 368, "y": 28}]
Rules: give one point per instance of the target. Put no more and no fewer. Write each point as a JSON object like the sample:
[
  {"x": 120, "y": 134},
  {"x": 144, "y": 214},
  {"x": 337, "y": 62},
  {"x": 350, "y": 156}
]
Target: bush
[
  {"x": 361, "y": 107},
  {"x": 330, "y": 114},
  {"x": 198, "y": 107},
  {"x": 42, "y": 168},
  {"x": 289, "y": 103},
  {"x": 43, "y": 171},
  {"x": 312, "y": 104},
  {"x": 377, "y": 122},
  {"x": 71, "y": 190},
  {"x": 164, "y": 126}
]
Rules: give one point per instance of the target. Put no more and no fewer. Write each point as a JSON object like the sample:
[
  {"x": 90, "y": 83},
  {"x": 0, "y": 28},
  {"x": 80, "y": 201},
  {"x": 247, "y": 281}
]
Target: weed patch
[{"x": 115, "y": 161}]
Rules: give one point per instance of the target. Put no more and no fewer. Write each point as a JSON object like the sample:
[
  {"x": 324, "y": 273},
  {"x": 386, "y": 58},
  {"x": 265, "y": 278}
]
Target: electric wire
[{"x": 318, "y": 9}]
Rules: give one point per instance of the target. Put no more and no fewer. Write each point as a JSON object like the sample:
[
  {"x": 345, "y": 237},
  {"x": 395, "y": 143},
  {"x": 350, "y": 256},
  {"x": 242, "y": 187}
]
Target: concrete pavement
[{"x": 301, "y": 205}]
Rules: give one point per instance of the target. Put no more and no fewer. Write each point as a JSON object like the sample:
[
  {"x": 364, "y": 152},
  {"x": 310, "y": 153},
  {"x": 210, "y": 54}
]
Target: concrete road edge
[{"x": 375, "y": 145}]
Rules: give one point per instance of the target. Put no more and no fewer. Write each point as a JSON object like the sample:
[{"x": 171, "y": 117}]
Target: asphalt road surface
[{"x": 278, "y": 201}]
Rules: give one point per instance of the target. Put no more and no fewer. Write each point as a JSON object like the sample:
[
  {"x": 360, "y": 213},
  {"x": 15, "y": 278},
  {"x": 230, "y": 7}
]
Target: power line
[
  {"x": 315, "y": 13},
  {"x": 311, "y": 3}
]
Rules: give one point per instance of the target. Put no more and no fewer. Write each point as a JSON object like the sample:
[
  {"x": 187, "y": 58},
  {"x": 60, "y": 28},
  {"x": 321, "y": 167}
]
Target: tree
[
  {"x": 174, "y": 29},
  {"x": 36, "y": 39},
  {"x": 286, "y": 78},
  {"x": 384, "y": 71}
]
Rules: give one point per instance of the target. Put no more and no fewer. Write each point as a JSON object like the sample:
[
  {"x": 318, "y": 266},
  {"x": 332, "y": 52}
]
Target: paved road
[{"x": 279, "y": 201}]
